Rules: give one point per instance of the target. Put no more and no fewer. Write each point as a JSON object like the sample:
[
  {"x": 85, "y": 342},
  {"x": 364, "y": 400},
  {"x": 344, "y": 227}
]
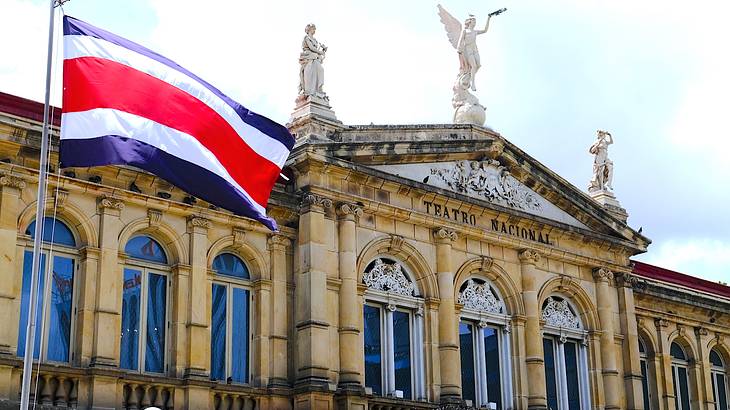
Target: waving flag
[{"x": 124, "y": 104}]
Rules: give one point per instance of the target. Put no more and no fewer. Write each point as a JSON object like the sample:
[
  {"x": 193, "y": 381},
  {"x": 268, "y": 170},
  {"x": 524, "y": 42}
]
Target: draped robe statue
[
  {"x": 602, "y": 166},
  {"x": 311, "y": 73}
]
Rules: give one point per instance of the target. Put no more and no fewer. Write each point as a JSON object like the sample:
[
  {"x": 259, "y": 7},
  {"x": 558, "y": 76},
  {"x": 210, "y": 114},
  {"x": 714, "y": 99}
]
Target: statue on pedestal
[
  {"x": 311, "y": 73},
  {"x": 466, "y": 105},
  {"x": 602, "y": 166}
]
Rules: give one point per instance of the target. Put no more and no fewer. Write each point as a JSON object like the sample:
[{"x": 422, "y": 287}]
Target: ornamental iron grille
[
  {"x": 478, "y": 295},
  {"x": 387, "y": 275},
  {"x": 556, "y": 312}
]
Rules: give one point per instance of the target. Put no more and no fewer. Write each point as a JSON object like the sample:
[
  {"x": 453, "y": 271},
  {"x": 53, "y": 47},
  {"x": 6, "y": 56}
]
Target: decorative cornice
[
  {"x": 530, "y": 256},
  {"x": 154, "y": 216},
  {"x": 626, "y": 280},
  {"x": 659, "y": 323},
  {"x": 347, "y": 211},
  {"x": 701, "y": 331},
  {"x": 310, "y": 200},
  {"x": 443, "y": 235},
  {"x": 107, "y": 202},
  {"x": 195, "y": 221},
  {"x": 277, "y": 241},
  {"x": 7, "y": 180},
  {"x": 601, "y": 274}
]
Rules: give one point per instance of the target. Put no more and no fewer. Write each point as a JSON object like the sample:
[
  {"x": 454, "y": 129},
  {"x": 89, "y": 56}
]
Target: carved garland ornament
[
  {"x": 480, "y": 297},
  {"x": 388, "y": 277},
  {"x": 557, "y": 313},
  {"x": 490, "y": 180}
]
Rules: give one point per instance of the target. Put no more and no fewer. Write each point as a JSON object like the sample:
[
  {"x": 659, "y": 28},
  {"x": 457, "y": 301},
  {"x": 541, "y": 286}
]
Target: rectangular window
[
  {"x": 218, "y": 333},
  {"x": 59, "y": 323},
  {"x": 144, "y": 321},
  {"x": 491, "y": 353},
  {"x": 550, "y": 380},
  {"x": 156, "y": 323},
  {"x": 373, "y": 349},
  {"x": 25, "y": 304},
  {"x": 131, "y": 305},
  {"x": 239, "y": 336},
  {"x": 402, "y": 352},
  {"x": 571, "y": 375},
  {"x": 468, "y": 378},
  {"x": 721, "y": 391},
  {"x": 681, "y": 389}
]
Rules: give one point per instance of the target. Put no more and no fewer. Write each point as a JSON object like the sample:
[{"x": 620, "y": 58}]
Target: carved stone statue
[
  {"x": 311, "y": 73},
  {"x": 602, "y": 166},
  {"x": 464, "y": 40}
]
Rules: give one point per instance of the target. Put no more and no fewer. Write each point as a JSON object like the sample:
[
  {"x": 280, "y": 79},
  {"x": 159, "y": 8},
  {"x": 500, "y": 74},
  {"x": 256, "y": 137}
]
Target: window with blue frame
[
  {"x": 144, "y": 306},
  {"x": 230, "y": 320},
  {"x": 56, "y": 285}
]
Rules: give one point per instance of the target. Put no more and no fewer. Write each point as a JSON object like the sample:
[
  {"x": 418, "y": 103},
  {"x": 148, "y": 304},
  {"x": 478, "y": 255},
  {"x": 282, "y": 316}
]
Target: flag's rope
[{"x": 49, "y": 259}]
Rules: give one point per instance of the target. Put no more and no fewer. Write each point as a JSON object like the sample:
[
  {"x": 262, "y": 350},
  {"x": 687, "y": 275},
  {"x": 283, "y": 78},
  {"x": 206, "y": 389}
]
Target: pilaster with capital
[
  {"x": 311, "y": 320},
  {"x": 665, "y": 362},
  {"x": 351, "y": 345},
  {"x": 603, "y": 278},
  {"x": 630, "y": 329},
  {"x": 278, "y": 245},
  {"x": 197, "y": 362},
  {"x": 108, "y": 286},
  {"x": 448, "y": 321},
  {"x": 535, "y": 362},
  {"x": 10, "y": 189}
]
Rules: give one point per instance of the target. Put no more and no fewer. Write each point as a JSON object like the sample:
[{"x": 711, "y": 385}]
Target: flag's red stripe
[{"x": 91, "y": 82}]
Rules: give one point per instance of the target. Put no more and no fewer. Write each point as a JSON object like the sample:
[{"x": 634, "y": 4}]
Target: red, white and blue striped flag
[{"x": 124, "y": 104}]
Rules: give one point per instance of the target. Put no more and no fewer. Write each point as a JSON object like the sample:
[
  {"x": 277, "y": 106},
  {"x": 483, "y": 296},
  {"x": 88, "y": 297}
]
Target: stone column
[
  {"x": 10, "y": 189},
  {"x": 198, "y": 302},
  {"x": 665, "y": 363},
  {"x": 278, "y": 245},
  {"x": 704, "y": 398},
  {"x": 351, "y": 349},
  {"x": 109, "y": 285},
  {"x": 313, "y": 347},
  {"x": 448, "y": 323},
  {"x": 10, "y": 287},
  {"x": 534, "y": 358},
  {"x": 630, "y": 329},
  {"x": 603, "y": 278}
]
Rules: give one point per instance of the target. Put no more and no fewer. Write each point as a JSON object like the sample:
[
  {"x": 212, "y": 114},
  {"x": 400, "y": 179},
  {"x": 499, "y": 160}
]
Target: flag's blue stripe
[
  {"x": 72, "y": 26},
  {"x": 191, "y": 178}
]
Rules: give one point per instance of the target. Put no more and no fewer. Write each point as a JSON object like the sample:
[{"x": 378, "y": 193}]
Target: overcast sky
[{"x": 656, "y": 74}]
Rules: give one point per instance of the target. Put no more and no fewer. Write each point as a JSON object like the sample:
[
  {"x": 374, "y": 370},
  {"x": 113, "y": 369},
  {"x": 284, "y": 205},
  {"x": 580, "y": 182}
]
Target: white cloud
[{"x": 708, "y": 258}]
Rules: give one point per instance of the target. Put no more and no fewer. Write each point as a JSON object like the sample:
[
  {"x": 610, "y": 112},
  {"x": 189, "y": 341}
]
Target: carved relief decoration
[
  {"x": 12, "y": 181},
  {"x": 556, "y": 312},
  {"x": 388, "y": 277},
  {"x": 315, "y": 200},
  {"x": 490, "y": 180},
  {"x": 480, "y": 297}
]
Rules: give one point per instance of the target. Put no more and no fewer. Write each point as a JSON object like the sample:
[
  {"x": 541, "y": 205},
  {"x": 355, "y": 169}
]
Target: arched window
[
  {"x": 566, "y": 359},
  {"x": 645, "y": 386},
  {"x": 230, "y": 320},
  {"x": 393, "y": 334},
  {"x": 719, "y": 380},
  {"x": 54, "y": 340},
  {"x": 144, "y": 306},
  {"x": 680, "y": 364},
  {"x": 486, "y": 375}
]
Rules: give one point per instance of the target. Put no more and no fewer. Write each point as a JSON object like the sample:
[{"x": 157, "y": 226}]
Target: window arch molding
[
  {"x": 165, "y": 235},
  {"x": 398, "y": 248},
  {"x": 486, "y": 269},
  {"x": 719, "y": 372},
  {"x": 76, "y": 220},
  {"x": 256, "y": 262},
  {"x": 679, "y": 337},
  {"x": 570, "y": 289}
]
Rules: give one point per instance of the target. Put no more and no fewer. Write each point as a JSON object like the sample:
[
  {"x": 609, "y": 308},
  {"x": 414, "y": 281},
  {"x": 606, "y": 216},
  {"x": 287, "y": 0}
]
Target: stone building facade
[{"x": 416, "y": 267}]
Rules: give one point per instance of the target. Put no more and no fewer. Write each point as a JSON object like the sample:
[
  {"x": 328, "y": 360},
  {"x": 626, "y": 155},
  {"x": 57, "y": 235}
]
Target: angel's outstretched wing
[{"x": 452, "y": 26}]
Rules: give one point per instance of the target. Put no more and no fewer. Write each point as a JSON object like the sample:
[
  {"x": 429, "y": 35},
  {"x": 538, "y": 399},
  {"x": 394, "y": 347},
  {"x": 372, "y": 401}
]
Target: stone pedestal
[
  {"x": 610, "y": 203},
  {"x": 312, "y": 106}
]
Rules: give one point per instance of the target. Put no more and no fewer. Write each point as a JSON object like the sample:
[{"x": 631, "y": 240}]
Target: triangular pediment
[{"x": 487, "y": 180}]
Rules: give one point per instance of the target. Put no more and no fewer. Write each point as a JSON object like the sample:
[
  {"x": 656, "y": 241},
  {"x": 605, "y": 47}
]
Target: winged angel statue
[{"x": 468, "y": 109}]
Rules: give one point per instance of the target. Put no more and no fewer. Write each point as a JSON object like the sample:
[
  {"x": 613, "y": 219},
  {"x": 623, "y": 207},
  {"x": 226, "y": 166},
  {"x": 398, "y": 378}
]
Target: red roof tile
[
  {"x": 670, "y": 276},
  {"x": 25, "y": 108}
]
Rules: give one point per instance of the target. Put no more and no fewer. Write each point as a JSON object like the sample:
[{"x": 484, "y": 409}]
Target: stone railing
[
  {"x": 55, "y": 390},
  {"x": 227, "y": 397},
  {"x": 385, "y": 403},
  {"x": 140, "y": 395}
]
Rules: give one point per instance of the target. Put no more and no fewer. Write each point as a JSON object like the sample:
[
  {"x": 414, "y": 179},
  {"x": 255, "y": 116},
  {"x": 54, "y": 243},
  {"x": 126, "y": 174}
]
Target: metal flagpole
[{"x": 39, "y": 222}]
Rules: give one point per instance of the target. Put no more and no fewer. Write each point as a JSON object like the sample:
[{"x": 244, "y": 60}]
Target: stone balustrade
[
  {"x": 137, "y": 396},
  {"x": 55, "y": 390}
]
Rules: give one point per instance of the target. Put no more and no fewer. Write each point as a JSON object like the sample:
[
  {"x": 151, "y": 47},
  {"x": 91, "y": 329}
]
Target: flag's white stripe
[
  {"x": 84, "y": 46},
  {"x": 101, "y": 122}
]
